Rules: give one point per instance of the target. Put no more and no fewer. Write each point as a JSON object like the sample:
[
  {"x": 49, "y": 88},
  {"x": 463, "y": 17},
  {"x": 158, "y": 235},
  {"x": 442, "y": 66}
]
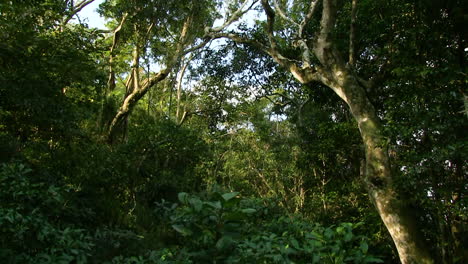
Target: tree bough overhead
[
  {"x": 164, "y": 32},
  {"x": 319, "y": 59}
]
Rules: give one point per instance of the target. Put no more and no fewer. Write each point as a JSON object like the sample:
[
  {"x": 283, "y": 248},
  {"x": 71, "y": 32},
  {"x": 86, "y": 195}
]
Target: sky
[{"x": 89, "y": 15}]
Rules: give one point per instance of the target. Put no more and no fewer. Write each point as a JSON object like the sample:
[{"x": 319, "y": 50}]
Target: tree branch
[
  {"x": 305, "y": 21},
  {"x": 196, "y": 47},
  {"x": 131, "y": 100},
  {"x": 179, "y": 84},
  {"x": 328, "y": 19},
  {"x": 233, "y": 18},
  {"x": 352, "y": 33},
  {"x": 181, "y": 42},
  {"x": 270, "y": 23},
  {"x": 283, "y": 14},
  {"x": 75, "y": 10},
  {"x": 323, "y": 46},
  {"x": 111, "y": 80}
]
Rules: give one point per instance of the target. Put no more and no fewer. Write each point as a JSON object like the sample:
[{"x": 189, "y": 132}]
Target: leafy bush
[
  {"x": 31, "y": 230},
  {"x": 225, "y": 228}
]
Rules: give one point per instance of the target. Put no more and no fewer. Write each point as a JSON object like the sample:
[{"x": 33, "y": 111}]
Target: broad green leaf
[
  {"x": 183, "y": 197},
  {"x": 328, "y": 233},
  {"x": 295, "y": 244},
  {"x": 196, "y": 203},
  {"x": 229, "y": 196},
  {"x": 182, "y": 229},
  {"x": 216, "y": 205},
  {"x": 348, "y": 237}
]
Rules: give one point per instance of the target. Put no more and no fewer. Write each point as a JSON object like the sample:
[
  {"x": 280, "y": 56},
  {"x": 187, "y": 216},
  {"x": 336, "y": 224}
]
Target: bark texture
[{"x": 395, "y": 213}]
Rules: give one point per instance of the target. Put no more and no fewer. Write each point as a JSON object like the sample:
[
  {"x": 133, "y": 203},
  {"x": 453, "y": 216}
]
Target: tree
[
  {"x": 48, "y": 71},
  {"x": 163, "y": 32},
  {"x": 306, "y": 45}
]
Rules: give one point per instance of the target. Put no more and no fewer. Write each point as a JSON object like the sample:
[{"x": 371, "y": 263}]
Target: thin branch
[
  {"x": 276, "y": 102},
  {"x": 270, "y": 23},
  {"x": 303, "y": 75},
  {"x": 352, "y": 33},
  {"x": 111, "y": 80},
  {"x": 131, "y": 100},
  {"x": 305, "y": 21},
  {"x": 148, "y": 31},
  {"x": 196, "y": 47},
  {"x": 76, "y": 9},
  {"x": 233, "y": 18},
  {"x": 82, "y": 4},
  {"x": 182, "y": 119},
  {"x": 301, "y": 42},
  {"x": 283, "y": 14},
  {"x": 181, "y": 43},
  {"x": 102, "y": 31},
  {"x": 242, "y": 40},
  {"x": 179, "y": 84},
  {"x": 136, "y": 68}
]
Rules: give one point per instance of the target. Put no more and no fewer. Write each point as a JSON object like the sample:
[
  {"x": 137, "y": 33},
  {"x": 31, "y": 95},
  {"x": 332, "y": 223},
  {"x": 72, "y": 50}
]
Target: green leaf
[
  {"x": 370, "y": 259},
  {"x": 196, "y": 203},
  {"x": 364, "y": 247},
  {"x": 339, "y": 229},
  {"x": 248, "y": 210},
  {"x": 328, "y": 233},
  {"x": 224, "y": 242},
  {"x": 216, "y": 205},
  {"x": 229, "y": 196},
  {"x": 183, "y": 230},
  {"x": 183, "y": 197},
  {"x": 348, "y": 237},
  {"x": 295, "y": 244}
]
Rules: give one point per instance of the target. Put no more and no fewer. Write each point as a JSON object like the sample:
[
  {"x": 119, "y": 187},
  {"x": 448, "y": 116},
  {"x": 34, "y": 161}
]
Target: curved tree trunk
[
  {"x": 393, "y": 210},
  {"x": 333, "y": 72},
  {"x": 130, "y": 101}
]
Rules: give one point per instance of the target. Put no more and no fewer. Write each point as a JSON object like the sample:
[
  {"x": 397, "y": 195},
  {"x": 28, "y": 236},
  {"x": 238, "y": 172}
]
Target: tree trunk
[
  {"x": 393, "y": 210},
  {"x": 331, "y": 70},
  {"x": 130, "y": 101}
]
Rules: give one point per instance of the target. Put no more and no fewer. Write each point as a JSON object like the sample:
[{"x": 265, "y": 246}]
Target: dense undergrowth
[{"x": 45, "y": 223}]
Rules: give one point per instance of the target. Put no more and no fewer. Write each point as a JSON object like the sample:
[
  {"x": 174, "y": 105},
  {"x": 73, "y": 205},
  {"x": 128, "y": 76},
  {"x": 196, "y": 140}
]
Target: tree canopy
[{"x": 236, "y": 131}]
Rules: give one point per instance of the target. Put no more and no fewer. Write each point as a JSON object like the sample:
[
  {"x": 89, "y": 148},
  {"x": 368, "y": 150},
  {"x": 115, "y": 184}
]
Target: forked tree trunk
[{"x": 130, "y": 101}]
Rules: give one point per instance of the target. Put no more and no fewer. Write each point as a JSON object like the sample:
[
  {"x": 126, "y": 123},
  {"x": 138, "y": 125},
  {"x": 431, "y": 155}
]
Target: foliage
[
  {"x": 227, "y": 228},
  {"x": 68, "y": 197},
  {"x": 32, "y": 229}
]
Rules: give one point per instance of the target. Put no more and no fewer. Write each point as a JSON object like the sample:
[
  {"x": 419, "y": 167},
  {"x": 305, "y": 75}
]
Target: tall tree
[
  {"x": 166, "y": 33},
  {"x": 302, "y": 37}
]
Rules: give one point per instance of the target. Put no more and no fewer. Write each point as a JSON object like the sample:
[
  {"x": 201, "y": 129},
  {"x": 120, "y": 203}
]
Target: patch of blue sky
[{"x": 90, "y": 16}]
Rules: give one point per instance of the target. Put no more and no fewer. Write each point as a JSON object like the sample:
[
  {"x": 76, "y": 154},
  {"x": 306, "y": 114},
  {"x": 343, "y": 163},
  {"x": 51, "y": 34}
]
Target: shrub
[
  {"x": 31, "y": 230},
  {"x": 225, "y": 228}
]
